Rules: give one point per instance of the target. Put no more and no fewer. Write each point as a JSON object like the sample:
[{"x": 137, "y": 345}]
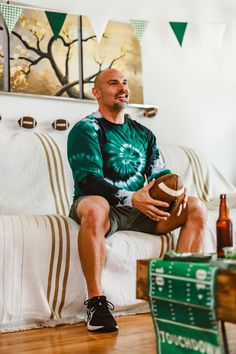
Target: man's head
[{"x": 111, "y": 90}]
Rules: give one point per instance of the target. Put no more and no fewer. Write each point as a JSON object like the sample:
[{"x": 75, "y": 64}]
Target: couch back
[{"x": 36, "y": 177}]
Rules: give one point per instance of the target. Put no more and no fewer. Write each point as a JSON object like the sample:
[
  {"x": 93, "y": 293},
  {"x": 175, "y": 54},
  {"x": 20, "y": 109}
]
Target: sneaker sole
[{"x": 102, "y": 328}]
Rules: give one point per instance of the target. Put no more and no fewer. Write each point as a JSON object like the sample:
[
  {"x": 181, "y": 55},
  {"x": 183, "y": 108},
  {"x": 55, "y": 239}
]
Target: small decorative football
[
  {"x": 169, "y": 188},
  {"x": 27, "y": 122},
  {"x": 60, "y": 124}
]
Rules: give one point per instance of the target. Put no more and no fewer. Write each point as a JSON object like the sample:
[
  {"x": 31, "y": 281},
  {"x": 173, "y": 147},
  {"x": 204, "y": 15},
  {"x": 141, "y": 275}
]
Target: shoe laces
[{"x": 99, "y": 303}]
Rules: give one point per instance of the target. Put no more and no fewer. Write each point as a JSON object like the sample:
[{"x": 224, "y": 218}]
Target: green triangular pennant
[
  {"x": 10, "y": 14},
  {"x": 56, "y": 20},
  {"x": 179, "y": 30},
  {"x": 139, "y": 27}
]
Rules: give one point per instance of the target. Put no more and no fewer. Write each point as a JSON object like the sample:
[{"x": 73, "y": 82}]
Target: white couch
[{"x": 41, "y": 282}]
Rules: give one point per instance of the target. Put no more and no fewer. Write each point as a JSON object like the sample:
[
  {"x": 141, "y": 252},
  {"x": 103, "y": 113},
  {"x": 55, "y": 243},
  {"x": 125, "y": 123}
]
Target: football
[
  {"x": 60, "y": 124},
  {"x": 169, "y": 188},
  {"x": 27, "y": 122}
]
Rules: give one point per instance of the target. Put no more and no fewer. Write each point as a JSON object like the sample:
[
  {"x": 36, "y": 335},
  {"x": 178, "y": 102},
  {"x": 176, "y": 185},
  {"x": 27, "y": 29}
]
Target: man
[{"x": 110, "y": 156}]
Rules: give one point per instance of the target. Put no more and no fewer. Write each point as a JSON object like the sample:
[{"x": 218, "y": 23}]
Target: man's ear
[{"x": 96, "y": 92}]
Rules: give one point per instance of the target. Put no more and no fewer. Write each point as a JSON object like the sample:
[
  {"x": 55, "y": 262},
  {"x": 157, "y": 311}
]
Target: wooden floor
[{"x": 136, "y": 336}]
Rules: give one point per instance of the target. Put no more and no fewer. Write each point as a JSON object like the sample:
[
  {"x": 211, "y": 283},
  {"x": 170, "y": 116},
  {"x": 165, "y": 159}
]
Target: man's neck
[{"x": 117, "y": 117}]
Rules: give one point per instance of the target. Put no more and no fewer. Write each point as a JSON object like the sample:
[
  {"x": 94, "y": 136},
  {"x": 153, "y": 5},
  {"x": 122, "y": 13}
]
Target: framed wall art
[{"x": 59, "y": 55}]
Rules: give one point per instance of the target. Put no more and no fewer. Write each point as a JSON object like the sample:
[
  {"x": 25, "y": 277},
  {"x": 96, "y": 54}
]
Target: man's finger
[
  {"x": 181, "y": 207},
  {"x": 184, "y": 203},
  {"x": 150, "y": 184},
  {"x": 159, "y": 212},
  {"x": 160, "y": 203}
]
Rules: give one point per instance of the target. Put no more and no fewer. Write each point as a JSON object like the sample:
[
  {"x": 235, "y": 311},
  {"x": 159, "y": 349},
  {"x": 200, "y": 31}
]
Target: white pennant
[
  {"x": 99, "y": 25},
  {"x": 204, "y": 34},
  {"x": 10, "y": 14}
]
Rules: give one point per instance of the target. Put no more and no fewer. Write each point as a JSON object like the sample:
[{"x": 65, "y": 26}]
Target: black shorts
[{"x": 122, "y": 218}]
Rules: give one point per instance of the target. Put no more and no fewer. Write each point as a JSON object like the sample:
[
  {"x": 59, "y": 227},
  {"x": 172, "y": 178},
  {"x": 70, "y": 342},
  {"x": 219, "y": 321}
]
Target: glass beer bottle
[{"x": 224, "y": 228}]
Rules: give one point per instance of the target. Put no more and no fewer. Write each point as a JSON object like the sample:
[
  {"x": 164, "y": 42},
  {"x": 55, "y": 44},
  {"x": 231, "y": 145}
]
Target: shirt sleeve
[
  {"x": 86, "y": 161},
  {"x": 155, "y": 166}
]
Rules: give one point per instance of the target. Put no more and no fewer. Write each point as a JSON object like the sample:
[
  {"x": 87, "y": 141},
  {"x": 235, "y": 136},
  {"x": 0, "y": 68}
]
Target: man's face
[{"x": 112, "y": 90}]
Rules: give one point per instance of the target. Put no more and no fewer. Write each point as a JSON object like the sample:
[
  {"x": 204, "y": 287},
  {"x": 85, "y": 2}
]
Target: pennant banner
[
  {"x": 11, "y": 15},
  {"x": 139, "y": 27},
  {"x": 179, "y": 30},
  {"x": 205, "y": 35},
  {"x": 99, "y": 25},
  {"x": 56, "y": 21}
]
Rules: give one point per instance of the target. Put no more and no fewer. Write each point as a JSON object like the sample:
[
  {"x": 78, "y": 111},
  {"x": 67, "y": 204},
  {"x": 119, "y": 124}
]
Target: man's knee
[
  {"x": 94, "y": 211},
  {"x": 197, "y": 211}
]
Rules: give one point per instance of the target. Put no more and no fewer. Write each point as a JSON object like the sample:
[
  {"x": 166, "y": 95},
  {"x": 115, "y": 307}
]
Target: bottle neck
[{"x": 223, "y": 212}]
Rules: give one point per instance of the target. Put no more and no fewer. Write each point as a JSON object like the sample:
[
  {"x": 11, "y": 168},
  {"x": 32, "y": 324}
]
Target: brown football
[{"x": 168, "y": 188}]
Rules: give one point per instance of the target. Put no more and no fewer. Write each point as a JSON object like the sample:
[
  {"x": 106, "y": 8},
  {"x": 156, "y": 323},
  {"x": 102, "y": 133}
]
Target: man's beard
[{"x": 120, "y": 106}]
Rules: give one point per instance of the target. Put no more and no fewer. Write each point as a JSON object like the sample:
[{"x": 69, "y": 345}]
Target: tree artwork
[{"x": 44, "y": 64}]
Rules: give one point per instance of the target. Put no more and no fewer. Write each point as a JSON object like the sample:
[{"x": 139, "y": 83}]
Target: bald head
[{"x": 101, "y": 77}]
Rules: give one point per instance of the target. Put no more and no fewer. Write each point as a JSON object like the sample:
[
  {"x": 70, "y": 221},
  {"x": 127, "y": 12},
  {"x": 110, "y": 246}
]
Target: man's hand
[
  {"x": 142, "y": 201},
  {"x": 184, "y": 202}
]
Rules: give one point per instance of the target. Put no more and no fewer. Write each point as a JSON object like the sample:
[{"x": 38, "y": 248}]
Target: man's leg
[
  {"x": 93, "y": 212},
  {"x": 192, "y": 221}
]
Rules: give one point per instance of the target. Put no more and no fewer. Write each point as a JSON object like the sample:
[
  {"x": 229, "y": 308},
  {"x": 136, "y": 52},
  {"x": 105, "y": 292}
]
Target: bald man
[{"x": 111, "y": 155}]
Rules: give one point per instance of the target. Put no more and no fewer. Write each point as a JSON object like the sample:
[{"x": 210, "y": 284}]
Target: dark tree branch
[
  {"x": 50, "y": 57},
  {"x": 99, "y": 64},
  {"x": 67, "y": 64},
  {"x": 67, "y": 44},
  {"x": 66, "y": 87},
  {"x": 38, "y": 51},
  {"x": 93, "y": 37},
  {"x": 114, "y": 60},
  {"x": 25, "y": 58},
  {"x": 88, "y": 38}
]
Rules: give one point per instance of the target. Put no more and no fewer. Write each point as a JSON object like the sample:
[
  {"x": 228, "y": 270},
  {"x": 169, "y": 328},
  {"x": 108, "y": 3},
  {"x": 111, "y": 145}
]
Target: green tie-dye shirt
[{"x": 112, "y": 160}]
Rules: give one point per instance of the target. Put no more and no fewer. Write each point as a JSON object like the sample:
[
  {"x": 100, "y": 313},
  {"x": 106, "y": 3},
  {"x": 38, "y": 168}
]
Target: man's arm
[{"x": 96, "y": 185}]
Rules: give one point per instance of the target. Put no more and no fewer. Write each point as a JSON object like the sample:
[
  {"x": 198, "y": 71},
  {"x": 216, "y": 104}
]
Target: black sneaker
[{"x": 100, "y": 318}]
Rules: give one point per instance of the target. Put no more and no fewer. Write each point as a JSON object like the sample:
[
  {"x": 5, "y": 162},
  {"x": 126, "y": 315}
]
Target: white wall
[{"x": 194, "y": 87}]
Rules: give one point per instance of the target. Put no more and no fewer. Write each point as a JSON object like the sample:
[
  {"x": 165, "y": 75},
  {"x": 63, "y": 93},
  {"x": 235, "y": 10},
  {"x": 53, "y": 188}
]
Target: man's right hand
[{"x": 142, "y": 201}]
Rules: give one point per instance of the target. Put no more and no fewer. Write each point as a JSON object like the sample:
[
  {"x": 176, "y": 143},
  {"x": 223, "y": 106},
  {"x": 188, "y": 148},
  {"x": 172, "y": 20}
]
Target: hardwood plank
[{"x": 225, "y": 290}]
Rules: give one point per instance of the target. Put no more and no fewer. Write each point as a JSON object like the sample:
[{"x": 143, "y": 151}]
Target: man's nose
[{"x": 121, "y": 86}]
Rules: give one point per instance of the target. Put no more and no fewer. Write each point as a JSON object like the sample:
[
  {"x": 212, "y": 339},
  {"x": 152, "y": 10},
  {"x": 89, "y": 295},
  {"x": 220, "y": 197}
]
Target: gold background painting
[
  {"x": 39, "y": 63},
  {"x": 43, "y": 65},
  {"x": 118, "y": 47}
]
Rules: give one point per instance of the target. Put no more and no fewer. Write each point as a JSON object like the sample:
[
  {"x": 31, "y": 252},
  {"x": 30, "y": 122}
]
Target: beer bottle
[{"x": 224, "y": 228}]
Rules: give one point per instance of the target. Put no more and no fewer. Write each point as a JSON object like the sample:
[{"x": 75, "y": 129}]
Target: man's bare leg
[
  {"x": 95, "y": 223},
  {"x": 192, "y": 221},
  {"x": 94, "y": 215}
]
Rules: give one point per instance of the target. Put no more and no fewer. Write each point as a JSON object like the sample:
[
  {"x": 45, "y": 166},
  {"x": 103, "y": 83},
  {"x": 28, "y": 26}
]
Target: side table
[{"x": 225, "y": 293}]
